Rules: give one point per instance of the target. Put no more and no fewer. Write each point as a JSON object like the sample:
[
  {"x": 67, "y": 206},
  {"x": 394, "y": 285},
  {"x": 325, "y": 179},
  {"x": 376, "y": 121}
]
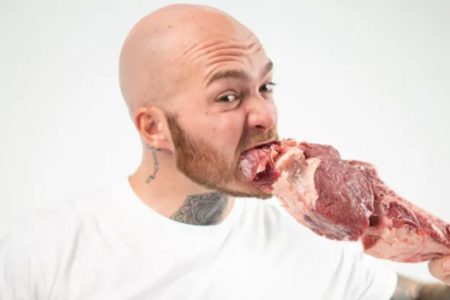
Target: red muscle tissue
[{"x": 345, "y": 200}]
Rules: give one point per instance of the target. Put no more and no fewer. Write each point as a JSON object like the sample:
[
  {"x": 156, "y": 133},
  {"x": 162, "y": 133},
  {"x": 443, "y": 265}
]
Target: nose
[{"x": 262, "y": 114}]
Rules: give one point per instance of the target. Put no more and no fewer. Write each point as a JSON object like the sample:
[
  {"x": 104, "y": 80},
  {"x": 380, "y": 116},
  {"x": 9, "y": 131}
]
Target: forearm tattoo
[
  {"x": 202, "y": 209},
  {"x": 408, "y": 289}
]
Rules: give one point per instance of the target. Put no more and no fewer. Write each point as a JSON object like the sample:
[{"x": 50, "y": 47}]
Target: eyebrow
[{"x": 237, "y": 74}]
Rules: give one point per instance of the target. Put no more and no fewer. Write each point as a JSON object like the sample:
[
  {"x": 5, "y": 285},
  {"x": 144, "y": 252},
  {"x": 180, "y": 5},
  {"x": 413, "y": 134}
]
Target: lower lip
[
  {"x": 266, "y": 145},
  {"x": 266, "y": 188}
]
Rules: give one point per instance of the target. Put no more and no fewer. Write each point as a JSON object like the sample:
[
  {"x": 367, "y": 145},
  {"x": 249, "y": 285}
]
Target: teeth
[{"x": 260, "y": 168}]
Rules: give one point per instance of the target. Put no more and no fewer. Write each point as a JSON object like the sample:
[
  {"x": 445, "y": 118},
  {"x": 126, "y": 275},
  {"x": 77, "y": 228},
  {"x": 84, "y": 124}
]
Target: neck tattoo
[
  {"x": 202, "y": 209},
  {"x": 155, "y": 164}
]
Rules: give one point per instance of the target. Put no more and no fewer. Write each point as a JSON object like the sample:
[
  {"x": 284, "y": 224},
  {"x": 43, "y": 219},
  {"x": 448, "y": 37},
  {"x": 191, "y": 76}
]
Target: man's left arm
[{"x": 408, "y": 289}]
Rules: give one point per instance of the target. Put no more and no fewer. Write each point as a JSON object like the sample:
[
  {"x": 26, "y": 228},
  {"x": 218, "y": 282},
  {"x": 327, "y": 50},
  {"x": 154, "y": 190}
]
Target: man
[{"x": 198, "y": 86}]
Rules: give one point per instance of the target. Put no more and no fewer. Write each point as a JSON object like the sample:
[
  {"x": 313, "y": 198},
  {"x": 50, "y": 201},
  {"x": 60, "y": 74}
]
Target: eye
[
  {"x": 228, "y": 98},
  {"x": 267, "y": 87}
]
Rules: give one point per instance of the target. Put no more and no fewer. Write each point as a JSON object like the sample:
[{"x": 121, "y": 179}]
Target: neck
[{"x": 162, "y": 187}]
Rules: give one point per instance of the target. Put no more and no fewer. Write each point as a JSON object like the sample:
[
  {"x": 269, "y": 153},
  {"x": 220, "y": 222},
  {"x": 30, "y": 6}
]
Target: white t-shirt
[{"x": 107, "y": 244}]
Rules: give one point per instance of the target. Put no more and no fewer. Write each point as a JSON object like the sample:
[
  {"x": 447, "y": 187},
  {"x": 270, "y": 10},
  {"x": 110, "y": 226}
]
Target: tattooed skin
[
  {"x": 408, "y": 289},
  {"x": 202, "y": 209},
  {"x": 155, "y": 164}
]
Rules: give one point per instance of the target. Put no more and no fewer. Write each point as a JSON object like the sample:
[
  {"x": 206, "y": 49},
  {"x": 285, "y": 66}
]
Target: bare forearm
[
  {"x": 409, "y": 289},
  {"x": 434, "y": 292}
]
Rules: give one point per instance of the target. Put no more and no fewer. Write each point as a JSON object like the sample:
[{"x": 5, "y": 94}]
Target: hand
[{"x": 440, "y": 268}]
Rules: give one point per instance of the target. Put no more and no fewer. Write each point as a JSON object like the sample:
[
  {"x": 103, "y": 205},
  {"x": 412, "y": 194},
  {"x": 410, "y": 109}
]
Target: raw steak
[{"x": 345, "y": 200}]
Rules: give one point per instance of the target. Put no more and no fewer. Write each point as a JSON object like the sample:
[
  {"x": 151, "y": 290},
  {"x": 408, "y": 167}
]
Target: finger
[
  {"x": 291, "y": 142},
  {"x": 440, "y": 268}
]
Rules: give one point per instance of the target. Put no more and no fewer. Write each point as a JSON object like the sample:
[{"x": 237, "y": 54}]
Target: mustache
[{"x": 259, "y": 137}]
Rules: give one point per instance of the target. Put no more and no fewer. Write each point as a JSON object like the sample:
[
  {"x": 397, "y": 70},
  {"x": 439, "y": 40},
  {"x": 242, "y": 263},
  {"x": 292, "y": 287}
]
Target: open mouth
[
  {"x": 258, "y": 165},
  {"x": 264, "y": 146}
]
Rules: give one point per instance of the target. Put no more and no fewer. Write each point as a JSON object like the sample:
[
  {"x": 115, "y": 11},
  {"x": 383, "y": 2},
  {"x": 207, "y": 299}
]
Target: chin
[
  {"x": 245, "y": 194},
  {"x": 236, "y": 188},
  {"x": 245, "y": 191}
]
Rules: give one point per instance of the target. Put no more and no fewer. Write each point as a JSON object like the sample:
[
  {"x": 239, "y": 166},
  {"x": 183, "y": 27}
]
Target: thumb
[{"x": 440, "y": 268}]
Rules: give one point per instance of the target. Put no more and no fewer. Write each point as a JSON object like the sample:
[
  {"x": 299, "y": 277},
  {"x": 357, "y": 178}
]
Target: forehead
[{"x": 213, "y": 54}]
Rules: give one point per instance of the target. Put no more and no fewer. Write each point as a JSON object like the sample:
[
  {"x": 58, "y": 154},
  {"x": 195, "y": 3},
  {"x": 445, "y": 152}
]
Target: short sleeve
[
  {"x": 15, "y": 267},
  {"x": 32, "y": 254},
  {"x": 368, "y": 278}
]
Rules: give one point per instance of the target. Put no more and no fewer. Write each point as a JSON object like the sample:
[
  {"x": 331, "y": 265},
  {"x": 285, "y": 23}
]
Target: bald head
[{"x": 159, "y": 51}]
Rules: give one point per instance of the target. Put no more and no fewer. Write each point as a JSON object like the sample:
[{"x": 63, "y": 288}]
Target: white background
[{"x": 371, "y": 78}]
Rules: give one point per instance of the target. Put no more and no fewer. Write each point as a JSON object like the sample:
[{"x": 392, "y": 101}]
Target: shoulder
[
  {"x": 57, "y": 222},
  {"x": 33, "y": 250},
  {"x": 45, "y": 231},
  {"x": 47, "y": 239}
]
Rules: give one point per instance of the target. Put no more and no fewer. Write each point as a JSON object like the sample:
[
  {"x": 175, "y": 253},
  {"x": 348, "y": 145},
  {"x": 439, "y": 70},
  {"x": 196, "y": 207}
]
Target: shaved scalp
[{"x": 153, "y": 58}]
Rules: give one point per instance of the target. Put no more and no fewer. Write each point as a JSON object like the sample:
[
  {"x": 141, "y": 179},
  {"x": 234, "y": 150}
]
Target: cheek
[{"x": 225, "y": 131}]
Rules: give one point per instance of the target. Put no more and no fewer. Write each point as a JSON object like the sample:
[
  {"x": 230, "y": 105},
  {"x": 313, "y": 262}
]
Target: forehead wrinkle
[
  {"x": 223, "y": 58},
  {"x": 214, "y": 65},
  {"x": 234, "y": 72},
  {"x": 207, "y": 47},
  {"x": 211, "y": 52},
  {"x": 252, "y": 41},
  {"x": 218, "y": 50},
  {"x": 218, "y": 54},
  {"x": 254, "y": 47},
  {"x": 228, "y": 55},
  {"x": 206, "y": 44},
  {"x": 231, "y": 73}
]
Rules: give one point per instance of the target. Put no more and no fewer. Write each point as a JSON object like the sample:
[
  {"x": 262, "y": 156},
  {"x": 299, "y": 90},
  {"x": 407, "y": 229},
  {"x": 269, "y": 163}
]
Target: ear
[{"x": 152, "y": 126}]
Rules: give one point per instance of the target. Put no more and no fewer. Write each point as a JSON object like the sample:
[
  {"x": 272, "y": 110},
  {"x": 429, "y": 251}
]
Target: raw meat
[{"x": 345, "y": 200}]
